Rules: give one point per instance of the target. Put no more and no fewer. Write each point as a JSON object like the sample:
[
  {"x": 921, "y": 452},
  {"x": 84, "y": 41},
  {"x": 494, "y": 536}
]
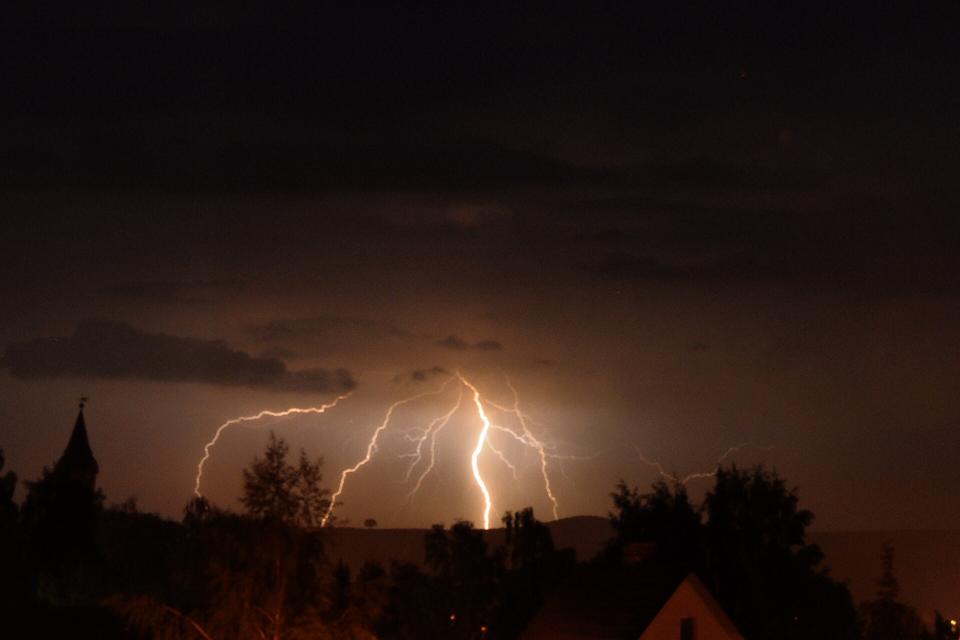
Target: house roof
[
  {"x": 616, "y": 602},
  {"x": 690, "y": 598},
  {"x": 604, "y": 603}
]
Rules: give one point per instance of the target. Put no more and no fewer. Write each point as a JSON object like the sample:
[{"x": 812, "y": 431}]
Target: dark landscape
[{"x": 928, "y": 562}]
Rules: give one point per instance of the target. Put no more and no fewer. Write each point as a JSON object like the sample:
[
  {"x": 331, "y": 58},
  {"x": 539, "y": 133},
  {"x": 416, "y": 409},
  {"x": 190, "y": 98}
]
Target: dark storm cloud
[
  {"x": 488, "y": 345},
  {"x": 764, "y": 265},
  {"x": 680, "y": 221},
  {"x": 286, "y": 159},
  {"x": 705, "y": 174},
  {"x": 321, "y": 327},
  {"x": 877, "y": 257},
  {"x": 375, "y": 81},
  {"x": 105, "y": 135},
  {"x": 453, "y": 342},
  {"x": 459, "y": 344},
  {"x": 166, "y": 291},
  {"x": 422, "y": 375},
  {"x": 114, "y": 350},
  {"x": 629, "y": 267},
  {"x": 279, "y": 353}
]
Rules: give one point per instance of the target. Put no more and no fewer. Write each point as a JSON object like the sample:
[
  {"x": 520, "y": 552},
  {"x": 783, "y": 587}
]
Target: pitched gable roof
[
  {"x": 630, "y": 602},
  {"x": 604, "y": 602},
  {"x": 691, "y": 599}
]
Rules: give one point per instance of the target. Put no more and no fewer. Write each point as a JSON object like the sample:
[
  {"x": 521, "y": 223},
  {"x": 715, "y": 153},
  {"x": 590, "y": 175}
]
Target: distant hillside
[
  {"x": 927, "y": 562},
  {"x": 585, "y": 534}
]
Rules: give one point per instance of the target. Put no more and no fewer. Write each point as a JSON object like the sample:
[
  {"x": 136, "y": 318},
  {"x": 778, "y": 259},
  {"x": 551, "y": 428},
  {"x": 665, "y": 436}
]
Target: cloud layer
[
  {"x": 115, "y": 350},
  {"x": 459, "y": 344}
]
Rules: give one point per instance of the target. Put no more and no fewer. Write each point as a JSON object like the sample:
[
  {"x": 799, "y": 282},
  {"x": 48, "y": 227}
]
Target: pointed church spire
[{"x": 77, "y": 462}]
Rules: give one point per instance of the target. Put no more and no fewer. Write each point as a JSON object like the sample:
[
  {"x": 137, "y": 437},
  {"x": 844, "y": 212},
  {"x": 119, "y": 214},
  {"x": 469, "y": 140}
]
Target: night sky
[{"x": 673, "y": 230}]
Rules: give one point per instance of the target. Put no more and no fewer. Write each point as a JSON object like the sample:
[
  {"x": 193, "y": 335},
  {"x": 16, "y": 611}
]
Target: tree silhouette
[
  {"x": 276, "y": 490},
  {"x": 759, "y": 565},
  {"x": 259, "y": 575},
  {"x": 197, "y": 510},
  {"x": 528, "y": 541},
  {"x": 943, "y": 629},
  {"x": 885, "y": 617},
  {"x": 313, "y": 500},
  {"x": 747, "y": 542},
  {"x": 532, "y": 565},
  {"x": 358, "y": 606},
  {"x": 665, "y": 517},
  {"x": 8, "y": 508},
  {"x": 11, "y": 576},
  {"x": 59, "y": 518},
  {"x": 269, "y": 484},
  {"x": 250, "y": 579},
  {"x": 468, "y": 577}
]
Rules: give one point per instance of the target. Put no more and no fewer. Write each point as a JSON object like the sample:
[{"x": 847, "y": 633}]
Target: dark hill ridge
[
  {"x": 585, "y": 534},
  {"x": 927, "y": 562}
]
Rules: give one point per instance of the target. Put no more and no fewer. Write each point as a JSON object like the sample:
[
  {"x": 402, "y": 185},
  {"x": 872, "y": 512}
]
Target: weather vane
[{"x": 83, "y": 401}]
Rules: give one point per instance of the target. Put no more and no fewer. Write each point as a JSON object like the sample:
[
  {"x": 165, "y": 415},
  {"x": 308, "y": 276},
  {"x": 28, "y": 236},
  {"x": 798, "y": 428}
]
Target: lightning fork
[
  {"x": 503, "y": 458},
  {"x": 537, "y": 445},
  {"x": 372, "y": 446},
  {"x": 701, "y": 475},
  {"x": 263, "y": 414},
  {"x": 432, "y": 433}
]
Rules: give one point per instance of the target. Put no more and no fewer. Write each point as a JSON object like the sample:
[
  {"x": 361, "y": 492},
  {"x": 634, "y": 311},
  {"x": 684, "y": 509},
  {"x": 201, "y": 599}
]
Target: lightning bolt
[
  {"x": 432, "y": 434},
  {"x": 474, "y": 459},
  {"x": 536, "y": 444},
  {"x": 525, "y": 437},
  {"x": 701, "y": 475},
  {"x": 425, "y": 442},
  {"x": 656, "y": 466},
  {"x": 503, "y": 458},
  {"x": 372, "y": 446},
  {"x": 259, "y": 416},
  {"x": 427, "y": 436}
]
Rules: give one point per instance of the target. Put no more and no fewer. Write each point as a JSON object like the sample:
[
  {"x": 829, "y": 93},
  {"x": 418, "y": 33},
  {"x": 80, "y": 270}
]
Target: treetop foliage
[
  {"x": 746, "y": 541},
  {"x": 273, "y": 489}
]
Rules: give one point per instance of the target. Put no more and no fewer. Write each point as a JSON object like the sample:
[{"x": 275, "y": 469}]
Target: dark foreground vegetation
[{"x": 73, "y": 567}]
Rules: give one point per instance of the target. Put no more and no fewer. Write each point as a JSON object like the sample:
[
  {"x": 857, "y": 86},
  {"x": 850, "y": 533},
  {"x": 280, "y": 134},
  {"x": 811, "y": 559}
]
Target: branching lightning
[
  {"x": 424, "y": 441},
  {"x": 430, "y": 432},
  {"x": 700, "y": 475},
  {"x": 503, "y": 458},
  {"x": 372, "y": 447},
  {"x": 522, "y": 417},
  {"x": 259, "y": 416}
]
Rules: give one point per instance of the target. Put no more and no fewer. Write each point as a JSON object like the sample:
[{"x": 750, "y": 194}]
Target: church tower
[
  {"x": 61, "y": 509},
  {"x": 77, "y": 464}
]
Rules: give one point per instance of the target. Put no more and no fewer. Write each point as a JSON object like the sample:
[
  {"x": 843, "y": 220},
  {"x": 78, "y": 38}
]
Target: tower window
[{"x": 688, "y": 630}]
